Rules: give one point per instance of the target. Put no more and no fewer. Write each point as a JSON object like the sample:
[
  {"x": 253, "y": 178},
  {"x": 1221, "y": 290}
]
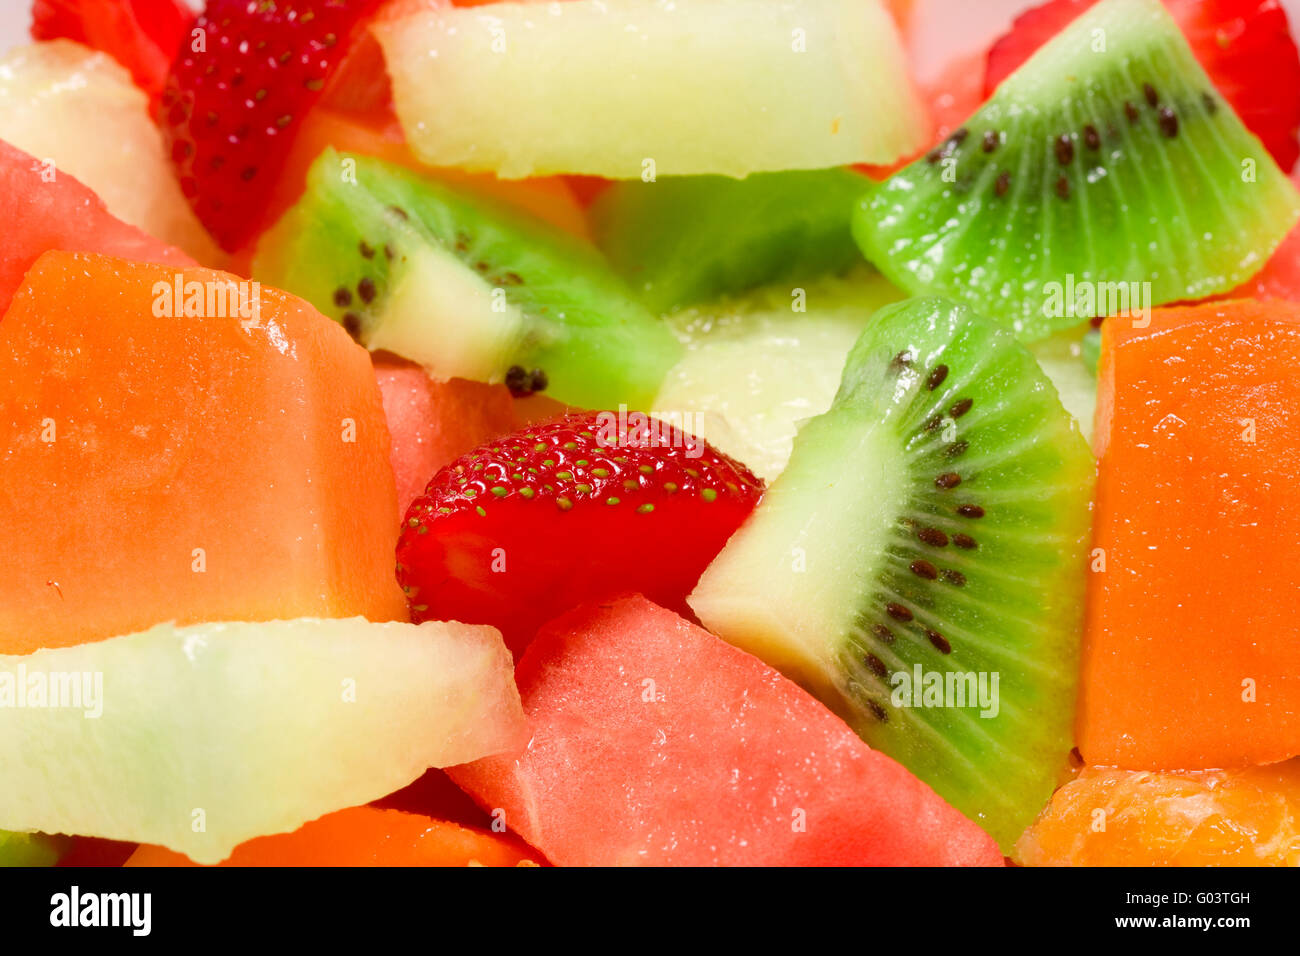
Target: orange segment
[
  {"x": 365, "y": 836},
  {"x": 1112, "y": 817},
  {"x": 161, "y": 467},
  {"x": 1191, "y": 659}
]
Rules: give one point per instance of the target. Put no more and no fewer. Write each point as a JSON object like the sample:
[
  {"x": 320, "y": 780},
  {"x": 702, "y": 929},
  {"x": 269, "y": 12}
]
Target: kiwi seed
[
  {"x": 939, "y": 641},
  {"x": 898, "y": 612},
  {"x": 924, "y": 569},
  {"x": 933, "y": 537},
  {"x": 1064, "y": 149}
]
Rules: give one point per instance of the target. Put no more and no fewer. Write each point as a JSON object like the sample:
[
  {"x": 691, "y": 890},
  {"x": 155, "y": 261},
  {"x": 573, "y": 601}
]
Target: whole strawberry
[
  {"x": 236, "y": 96},
  {"x": 593, "y": 505}
]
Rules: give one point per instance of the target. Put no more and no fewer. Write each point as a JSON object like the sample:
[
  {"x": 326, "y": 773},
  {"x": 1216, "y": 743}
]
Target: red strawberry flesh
[
  {"x": 1244, "y": 45},
  {"x": 585, "y": 508},
  {"x": 236, "y": 96}
]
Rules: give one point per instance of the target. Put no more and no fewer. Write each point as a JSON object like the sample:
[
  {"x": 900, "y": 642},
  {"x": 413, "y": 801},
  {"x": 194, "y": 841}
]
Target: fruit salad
[{"x": 618, "y": 432}]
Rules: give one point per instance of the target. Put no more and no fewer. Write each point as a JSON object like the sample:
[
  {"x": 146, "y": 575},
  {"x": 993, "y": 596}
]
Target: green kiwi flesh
[
  {"x": 464, "y": 286},
  {"x": 684, "y": 240},
  {"x": 1106, "y": 175},
  {"x": 936, "y": 518}
]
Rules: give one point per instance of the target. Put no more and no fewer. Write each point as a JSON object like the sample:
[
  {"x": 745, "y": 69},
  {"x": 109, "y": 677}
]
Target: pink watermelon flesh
[
  {"x": 729, "y": 764},
  {"x": 43, "y": 208},
  {"x": 433, "y": 423}
]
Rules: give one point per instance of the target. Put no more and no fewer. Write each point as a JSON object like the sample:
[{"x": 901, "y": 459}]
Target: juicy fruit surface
[
  {"x": 433, "y": 423},
  {"x": 1194, "y": 441},
  {"x": 79, "y": 113},
  {"x": 182, "y": 467},
  {"x": 1244, "y": 45},
  {"x": 40, "y": 215},
  {"x": 755, "y": 368},
  {"x": 466, "y": 287},
  {"x": 142, "y": 35},
  {"x": 691, "y": 239},
  {"x": 581, "y": 509},
  {"x": 760, "y": 755},
  {"x": 701, "y": 86},
  {"x": 934, "y": 519},
  {"x": 231, "y": 109},
  {"x": 1208, "y": 818},
  {"x": 253, "y": 724},
  {"x": 1115, "y": 173},
  {"x": 366, "y": 836}
]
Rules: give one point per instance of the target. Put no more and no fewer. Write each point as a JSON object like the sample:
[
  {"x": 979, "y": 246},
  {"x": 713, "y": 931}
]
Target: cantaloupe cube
[{"x": 183, "y": 467}]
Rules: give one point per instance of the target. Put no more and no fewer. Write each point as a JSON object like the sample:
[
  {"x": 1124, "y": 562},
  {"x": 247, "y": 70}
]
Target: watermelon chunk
[
  {"x": 656, "y": 743},
  {"x": 41, "y": 213},
  {"x": 433, "y": 423},
  {"x": 183, "y": 468}
]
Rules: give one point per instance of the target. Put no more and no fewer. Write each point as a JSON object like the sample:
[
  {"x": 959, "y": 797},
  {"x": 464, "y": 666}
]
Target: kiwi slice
[
  {"x": 1106, "y": 167},
  {"x": 690, "y": 239},
  {"x": 464, "y": 285},
  {"x": 929, "y": 531}
]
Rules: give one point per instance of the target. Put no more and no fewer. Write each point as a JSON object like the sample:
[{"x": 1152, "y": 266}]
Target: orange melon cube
[
  {"x": 367, "y": 836},
  {"x": 159, "y": 465},
  {"x": 1192, "y": 648}
]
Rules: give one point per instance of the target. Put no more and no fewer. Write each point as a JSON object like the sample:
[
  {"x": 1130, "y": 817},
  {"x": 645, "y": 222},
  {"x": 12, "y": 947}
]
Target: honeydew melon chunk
[
  {"x": 79, "y": 112},
  {"x": 619, "y": 88},
  {"x": 202, "y": 737},
  {"x": 756, "y": 367}
]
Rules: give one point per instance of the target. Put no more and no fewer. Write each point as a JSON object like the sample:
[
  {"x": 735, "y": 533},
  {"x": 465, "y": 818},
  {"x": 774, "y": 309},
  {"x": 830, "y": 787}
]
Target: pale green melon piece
[
  {"x": 199, "y": 738},
  {"x": 623, "y": 88},
  {"x": 755, "y": 368},
  {"x": 1062, "y": 358}
]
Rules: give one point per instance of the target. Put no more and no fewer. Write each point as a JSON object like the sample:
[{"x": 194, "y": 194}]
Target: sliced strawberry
[
  {"x": 142, "y": 35},
  {"x": 233, "y": 102},
  {"x": 582, "y": 509},
  {"x": 1244, "y": 45}
]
